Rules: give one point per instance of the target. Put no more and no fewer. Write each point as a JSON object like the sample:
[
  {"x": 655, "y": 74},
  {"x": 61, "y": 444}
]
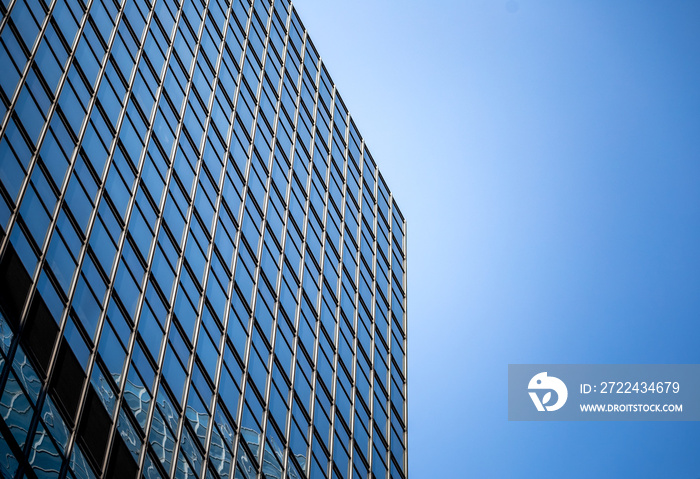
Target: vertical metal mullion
[
  {"x": 256, "y": 275},
  {"x": 405, "y": 345},
  {"x": 229, "y": 291},
  {"x": 391, "y": 363},
  {"x": 387, "y": 380},
  {"x": 278, "y": 281},
  {"x": 290, "y": 175},
  {"x": 188, "y": 222},
  {"x": 338, "y": 290},
  {"x": 356, "y": 278},
  {"x": 322, "y": 259},
  {"x": 265, "y": 205},
  {"x": 233, "y": 261},
  {"x": 299, "y": 292},
  {"x": 390, "y": 260},
  {"x": 375, "y": 247},
  {"x": 353, "y": 365},
  {"x": 404, "y": 433},
  {"x": 390, "y": 367},
  {"x": 370, "y": 327},
  {"x": 319, "y": 299},
  {"x": 305, "y": 232},
  {"x": 210, "y": 248}
]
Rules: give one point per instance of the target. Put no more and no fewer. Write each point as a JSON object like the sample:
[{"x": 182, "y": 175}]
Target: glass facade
[{"x": 202, "y": 271}]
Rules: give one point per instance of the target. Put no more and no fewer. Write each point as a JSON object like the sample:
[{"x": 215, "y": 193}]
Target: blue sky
[{"x": 547, "y": 157}]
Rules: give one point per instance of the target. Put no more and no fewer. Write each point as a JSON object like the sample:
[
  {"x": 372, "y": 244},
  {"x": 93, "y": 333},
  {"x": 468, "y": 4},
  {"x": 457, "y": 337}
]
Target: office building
[{"x": 202, "y": 272}]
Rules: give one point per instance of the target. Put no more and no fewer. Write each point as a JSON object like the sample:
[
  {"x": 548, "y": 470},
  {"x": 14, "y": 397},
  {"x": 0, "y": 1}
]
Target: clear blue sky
[{"x": 546, "y": 155}]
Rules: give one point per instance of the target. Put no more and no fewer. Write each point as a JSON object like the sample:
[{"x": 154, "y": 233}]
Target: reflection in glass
[
  {"x": 16, "y": 410},
  {"x": 8, "y": 463},
  {"x": 245, "y": 468},
  {"x": 29, "y": 379},
  {"x": 44, "y": 458},
  {"x": 79, "y": 465},
  {"x": 137, "y": 397},
  {"x": 54, "y": 423},
  {"x": 273, "y": 458},
  {"x": 150, "y": 471},
  {"x": 128, "y": 434},
  {"x": 252, "y": 439},
  {"x": 167, "y": 409},
  {"x": 189, "y": 451},
  {"x": 198, "y": 420},
  {"x": 5, "y": 334},
  {"x": 291, "y": 470},
  {"x": 219, "y": 454},
  {"x": 161, "y": 439},
  {"x": 104, "y": 390},
  {"x": 184, "y": 470}
]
